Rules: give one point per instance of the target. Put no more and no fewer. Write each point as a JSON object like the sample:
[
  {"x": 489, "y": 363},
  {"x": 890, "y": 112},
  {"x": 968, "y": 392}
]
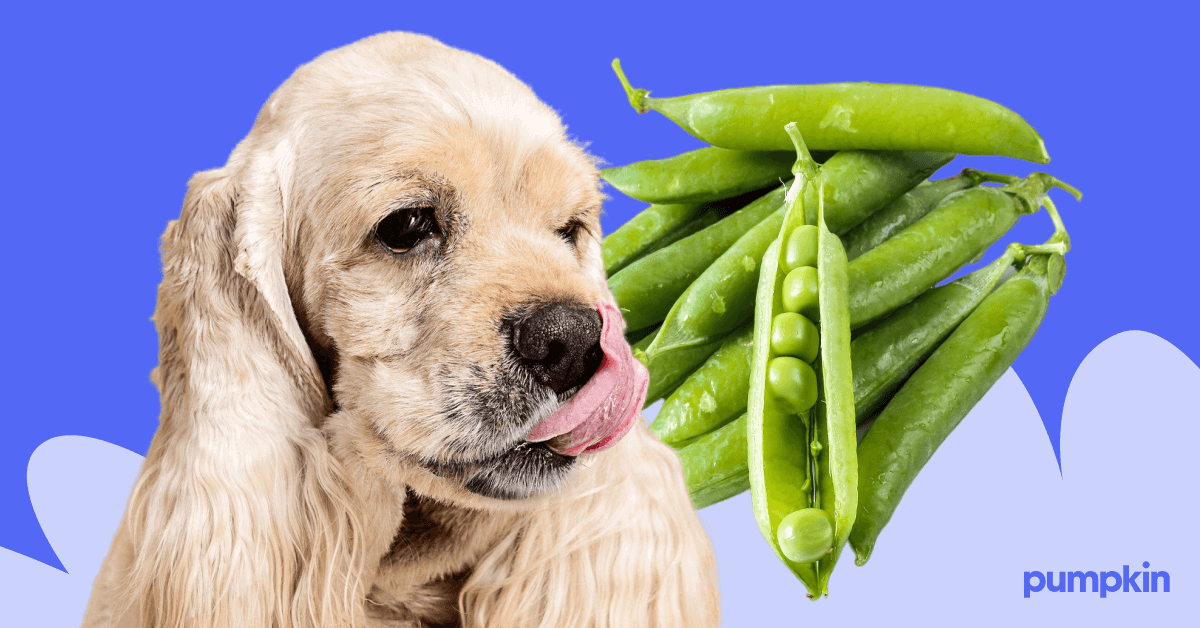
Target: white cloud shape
[
  {"x": 79, "y": 487},
  {"x": 987, "y": 508}
]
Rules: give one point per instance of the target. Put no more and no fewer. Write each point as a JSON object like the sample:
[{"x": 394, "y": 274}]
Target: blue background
[{"x": 108, "y": 110}]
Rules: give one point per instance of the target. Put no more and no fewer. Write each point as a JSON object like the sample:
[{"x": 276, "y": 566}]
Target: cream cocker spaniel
[{"x": 376, "y": 323}]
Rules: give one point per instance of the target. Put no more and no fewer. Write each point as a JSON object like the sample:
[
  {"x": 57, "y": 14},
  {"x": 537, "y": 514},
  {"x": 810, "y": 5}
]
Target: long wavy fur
[
  {"x": 240, "y": 516},
  {"x": 619, "y": 551}
]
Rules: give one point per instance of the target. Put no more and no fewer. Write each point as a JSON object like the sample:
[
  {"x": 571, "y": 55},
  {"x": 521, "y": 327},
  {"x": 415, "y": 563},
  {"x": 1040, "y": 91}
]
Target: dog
[{"x": 373, "y": 321}]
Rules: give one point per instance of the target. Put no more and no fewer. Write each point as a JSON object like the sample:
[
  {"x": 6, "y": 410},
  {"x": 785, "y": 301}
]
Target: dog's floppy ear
[{"x": 240, "y": 516}]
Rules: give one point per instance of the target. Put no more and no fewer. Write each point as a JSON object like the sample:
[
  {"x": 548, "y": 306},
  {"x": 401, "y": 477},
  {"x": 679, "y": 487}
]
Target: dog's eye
[
  {"x": 571, "y": 232},
  {"x": 404, "y": 229}
]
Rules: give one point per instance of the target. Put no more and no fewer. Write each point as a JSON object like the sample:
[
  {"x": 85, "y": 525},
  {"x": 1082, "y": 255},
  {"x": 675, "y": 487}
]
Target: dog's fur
[{"x": 326, "y": 402}]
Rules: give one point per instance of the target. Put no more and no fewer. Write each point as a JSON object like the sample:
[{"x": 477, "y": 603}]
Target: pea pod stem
[
  {"x": 637, "y": 97},
  {"x": 1037, "y": 184},
  {"x": 1058, "y": 244},
  {"x": 804, "y": 169},
  {"x": 980, "y": 176}
]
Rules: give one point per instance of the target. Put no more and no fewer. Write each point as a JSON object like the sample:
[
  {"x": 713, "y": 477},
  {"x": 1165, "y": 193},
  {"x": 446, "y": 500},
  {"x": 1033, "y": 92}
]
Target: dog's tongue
[{"x": 606, "y": 407}]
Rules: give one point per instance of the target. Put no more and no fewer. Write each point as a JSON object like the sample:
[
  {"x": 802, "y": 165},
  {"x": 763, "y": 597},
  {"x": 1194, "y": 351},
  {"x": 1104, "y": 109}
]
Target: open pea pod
[{"x": 800, "y": 427}]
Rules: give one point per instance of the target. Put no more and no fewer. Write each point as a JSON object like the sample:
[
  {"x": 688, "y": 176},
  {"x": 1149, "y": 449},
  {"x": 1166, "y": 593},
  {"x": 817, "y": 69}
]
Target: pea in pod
[
  {"x": 848, "y": 116},
  {"x": 804, "y": 496},
  {"x": 646, "y": 289},
  {"x": 959, "y": 229},
  {"x": 699, "y": 176},
  {"x": 943, "y": 390},
  {"x": 911, "y": 207}
]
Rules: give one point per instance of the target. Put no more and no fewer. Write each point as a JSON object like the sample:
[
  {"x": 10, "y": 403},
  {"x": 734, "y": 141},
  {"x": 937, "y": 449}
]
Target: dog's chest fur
[{"x": 432, "y": 555}]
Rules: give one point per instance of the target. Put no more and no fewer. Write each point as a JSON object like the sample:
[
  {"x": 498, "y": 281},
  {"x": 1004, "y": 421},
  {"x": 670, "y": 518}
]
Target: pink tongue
[{"x": 605, "y": 409}]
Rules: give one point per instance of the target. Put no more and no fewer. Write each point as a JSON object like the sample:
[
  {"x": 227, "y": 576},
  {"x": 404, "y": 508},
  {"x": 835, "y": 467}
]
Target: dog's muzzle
[{"x": 608, "y": 404}]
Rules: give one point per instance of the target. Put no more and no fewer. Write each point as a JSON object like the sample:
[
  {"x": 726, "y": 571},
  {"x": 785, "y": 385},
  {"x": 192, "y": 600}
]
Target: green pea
[
  {"x": 801, "y": 248},
  {"x": 800, "y": 292},
  {"x": 793, "y": 382},
  {"x": 792, "y": 334},
  {"x": 806, "y": 535}
]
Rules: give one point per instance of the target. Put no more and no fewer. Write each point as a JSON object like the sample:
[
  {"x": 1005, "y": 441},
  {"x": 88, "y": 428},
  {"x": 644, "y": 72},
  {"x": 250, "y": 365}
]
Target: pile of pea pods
[{"x": 787, "y": 290}]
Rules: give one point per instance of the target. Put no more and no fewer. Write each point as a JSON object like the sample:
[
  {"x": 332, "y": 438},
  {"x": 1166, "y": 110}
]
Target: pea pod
[
  {"x": 959, "y": 229},
  {"x": 848, "y": 116},
  {"x": 710, "y": 215},
  {"x": 668, "y": 372},
  {"x": 642, "y": 337},
  {"x": 857, "y": 183},
  {"x": 699, "y": 176},
  {"x": 722, "y": 297},
  {"x": 943, "y": 390},
  {"x": 786, "y": 476},
  {"x": 647, "y": 227},
  {"x": 709, "y": 398},
  {"x": 714, "y": 465},
  {"x": 646, "y": 289},
  {"x": 911, "y": 207},
  {"x": 886, "y": 354}
]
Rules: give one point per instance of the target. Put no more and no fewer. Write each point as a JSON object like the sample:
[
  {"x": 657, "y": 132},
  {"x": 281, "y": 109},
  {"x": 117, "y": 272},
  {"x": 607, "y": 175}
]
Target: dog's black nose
[{"x": 560, "y": 344}]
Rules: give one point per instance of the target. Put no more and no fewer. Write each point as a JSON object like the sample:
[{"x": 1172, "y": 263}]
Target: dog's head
[
  {"x": 400, "y": 265},
  {"x": 440, "y": 242}
]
